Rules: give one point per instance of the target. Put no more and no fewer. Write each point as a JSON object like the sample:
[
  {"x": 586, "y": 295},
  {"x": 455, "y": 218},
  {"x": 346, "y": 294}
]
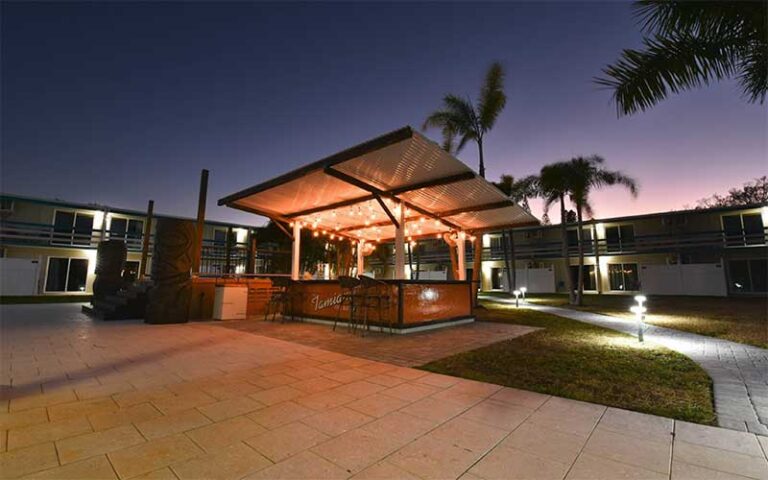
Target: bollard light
[
  {"x": 639, "y": 312},
  {"x": 640, "y": 299},
  {"x": 517, "y": 298},
  {"x": 523, "y": 290}
]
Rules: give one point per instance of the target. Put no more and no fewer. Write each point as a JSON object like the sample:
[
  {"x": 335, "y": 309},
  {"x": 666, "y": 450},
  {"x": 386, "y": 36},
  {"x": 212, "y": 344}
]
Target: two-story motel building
[{"x": 48, "y": 247}]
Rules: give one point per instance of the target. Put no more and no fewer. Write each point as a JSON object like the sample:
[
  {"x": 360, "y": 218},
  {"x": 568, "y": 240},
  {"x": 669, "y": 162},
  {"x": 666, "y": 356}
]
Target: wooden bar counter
[{"x": 413, "y": 303}]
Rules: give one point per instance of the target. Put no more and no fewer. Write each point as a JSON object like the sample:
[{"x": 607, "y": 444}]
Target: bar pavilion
[{"x": 399, "y": 187}]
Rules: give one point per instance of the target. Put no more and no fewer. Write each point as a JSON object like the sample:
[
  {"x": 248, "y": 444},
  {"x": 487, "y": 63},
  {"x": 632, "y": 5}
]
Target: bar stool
[
  {"x": 375, "y": 295},
  {"x": 350, "y": 287},
  {"x": 282, "y": 298}
]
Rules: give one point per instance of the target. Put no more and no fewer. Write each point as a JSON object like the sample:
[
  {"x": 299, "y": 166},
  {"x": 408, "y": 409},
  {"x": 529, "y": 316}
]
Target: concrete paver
[{"x": 214, "y": 402}]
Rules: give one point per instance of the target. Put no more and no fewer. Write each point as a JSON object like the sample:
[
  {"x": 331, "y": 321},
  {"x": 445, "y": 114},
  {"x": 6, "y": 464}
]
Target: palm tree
[
  {"x": 689, "y": 44},
  {"x": 554, "y": 186},
  {"x": 585, "y": 175},
  {"x": 519, "y": 192},
  {"x": 461, "y": 119}
]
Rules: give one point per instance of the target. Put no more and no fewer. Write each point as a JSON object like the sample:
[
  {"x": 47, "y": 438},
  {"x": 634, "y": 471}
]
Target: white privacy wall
[{"x": 706, "y": 279}]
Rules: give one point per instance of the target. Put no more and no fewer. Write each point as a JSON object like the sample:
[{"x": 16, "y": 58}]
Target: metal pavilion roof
[{"x": 355, "y": 193}]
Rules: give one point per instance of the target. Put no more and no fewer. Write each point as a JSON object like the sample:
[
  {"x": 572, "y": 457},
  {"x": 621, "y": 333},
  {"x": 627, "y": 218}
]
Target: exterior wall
[
  {"x": 26, "y": 232},
  {"x": 693, "y": 244}
]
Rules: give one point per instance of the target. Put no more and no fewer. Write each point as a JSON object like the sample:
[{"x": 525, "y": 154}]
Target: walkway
[
  {"x": 739, "y": 372},
  {"x": 88, "y": 399}
]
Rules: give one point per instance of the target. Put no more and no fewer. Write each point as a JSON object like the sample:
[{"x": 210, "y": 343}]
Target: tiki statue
[
  {"x": 110, "y": 259},
  {"x": 171, "y": 272}
]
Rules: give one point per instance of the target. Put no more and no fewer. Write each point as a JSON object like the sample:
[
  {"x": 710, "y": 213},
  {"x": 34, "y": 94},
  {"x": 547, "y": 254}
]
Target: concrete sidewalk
[
  {"x": 739, "y": 372},
  {"x": 86, "y": 399}
]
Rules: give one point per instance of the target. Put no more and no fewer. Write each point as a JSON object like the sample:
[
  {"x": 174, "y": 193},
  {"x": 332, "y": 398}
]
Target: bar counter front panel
[{"x": 411, "y": 302}]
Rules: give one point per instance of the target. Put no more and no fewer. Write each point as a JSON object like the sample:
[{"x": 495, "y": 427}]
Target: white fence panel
[
  {"x": 18, "y": 276},
  {"x": 536, "y": 280},
  {"x": 686, "y": 279}
]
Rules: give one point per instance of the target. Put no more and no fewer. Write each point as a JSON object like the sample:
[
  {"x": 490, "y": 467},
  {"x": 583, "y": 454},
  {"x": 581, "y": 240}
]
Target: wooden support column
[
  {"x": 228, "y": 251},
  {"x": 251, "y": 263},
  {"x": 400, "y": 243},
  {"x": 461, "y": 255},
  {"x": 203, "y": 195},
  {"x": 145, "y": 240},
  {"x": 296, "y": 251}
]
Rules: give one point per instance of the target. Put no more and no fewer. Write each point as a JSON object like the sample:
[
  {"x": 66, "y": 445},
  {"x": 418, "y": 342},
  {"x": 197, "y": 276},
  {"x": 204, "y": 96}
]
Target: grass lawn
[
  {"x": 8, "y": 300},
  {"x": 584, "y": 362},
  {"x": 743, "y": 320}
]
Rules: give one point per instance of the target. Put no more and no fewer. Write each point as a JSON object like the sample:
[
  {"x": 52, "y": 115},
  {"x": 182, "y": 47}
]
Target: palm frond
[
  {"x": 665, "y": 17},
  {"x": 492, "y": 98},
  {"x": 641, "y": 78}
]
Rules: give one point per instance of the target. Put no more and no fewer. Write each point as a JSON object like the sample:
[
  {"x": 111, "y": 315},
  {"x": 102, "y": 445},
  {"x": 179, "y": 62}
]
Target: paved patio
[
  {"x": 128, "y": 400},
  {"x": 739, "y": 372},
  {"x": 409, "y": 350}
]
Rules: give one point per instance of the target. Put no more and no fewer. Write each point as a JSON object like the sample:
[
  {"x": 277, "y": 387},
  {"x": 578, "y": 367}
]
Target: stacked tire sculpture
[
  {"x": 171, "y": 272},
  {"x": 110, "y": 259}
]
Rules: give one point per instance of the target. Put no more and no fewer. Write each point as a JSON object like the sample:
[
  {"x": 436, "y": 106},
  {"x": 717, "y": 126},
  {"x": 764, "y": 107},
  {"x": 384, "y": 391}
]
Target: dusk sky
[{"x": 119, "y": 103}]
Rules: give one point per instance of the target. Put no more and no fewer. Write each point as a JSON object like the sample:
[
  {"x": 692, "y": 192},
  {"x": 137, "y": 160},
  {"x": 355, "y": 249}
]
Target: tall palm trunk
[
  {"x": 580, "y": 246},
  {"x": 410, "y": 260},
  {"x": 482, "y": 161},
  {"x": 514, "y": 259},
  {"x": 507, "y": 266},
  {"x": 564, "y": 250}
]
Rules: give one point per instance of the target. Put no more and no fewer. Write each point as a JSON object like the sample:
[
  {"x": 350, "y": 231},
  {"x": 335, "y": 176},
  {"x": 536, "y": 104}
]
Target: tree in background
[
  {"x": 461, "y": 119},
  {"x": 585, "y": 175},
  {"x": 689, "y": 44},
  {"x": 519, "y": 192},
  {"x": 554, "y": 187},
  {"x": 751, "y": 193}
]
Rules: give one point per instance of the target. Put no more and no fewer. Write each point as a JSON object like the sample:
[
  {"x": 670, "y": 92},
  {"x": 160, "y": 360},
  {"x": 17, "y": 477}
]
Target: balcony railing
[{"x": 42, "y": 235}]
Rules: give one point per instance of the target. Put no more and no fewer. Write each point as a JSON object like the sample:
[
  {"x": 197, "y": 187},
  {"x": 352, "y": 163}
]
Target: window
[
  {"x": 129, "y": 230},
  {"x": 72, "y": 228},
  {"x": 496, "y": 274},
  {"x": 623, "y": 277},
  {"x": 620, "y": 238},
  {"x": 219, "y": 237},
  {"x": 743, "y": 229},
  {"x": 748, "y": 276},
  {"x": 589, "y": 277},
  {"x": 66, "y": 275},
  {"x": 573, "y": 240},
  {"x": 496, "y": 243}
]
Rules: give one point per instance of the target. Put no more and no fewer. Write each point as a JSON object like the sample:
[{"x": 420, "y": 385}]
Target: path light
[
  {"x": 640, "y": 299},
  {"x": 639, "y": 312},
  {"x": 523, "y": 290},
  {"x": 517, "y": 298}
]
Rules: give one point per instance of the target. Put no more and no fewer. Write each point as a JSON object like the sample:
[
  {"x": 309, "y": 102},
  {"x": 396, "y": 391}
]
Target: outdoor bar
[{"x": 400, "y": 187}]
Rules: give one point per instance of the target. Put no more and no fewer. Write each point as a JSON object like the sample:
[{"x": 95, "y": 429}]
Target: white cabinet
[{"x": 230, "y": 302}]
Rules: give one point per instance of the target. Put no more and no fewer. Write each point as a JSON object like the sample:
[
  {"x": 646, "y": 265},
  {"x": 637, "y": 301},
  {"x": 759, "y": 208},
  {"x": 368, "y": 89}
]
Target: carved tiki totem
[
  {"x": 171, "y": 271},
  {"x": 110, "y": 259}
]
